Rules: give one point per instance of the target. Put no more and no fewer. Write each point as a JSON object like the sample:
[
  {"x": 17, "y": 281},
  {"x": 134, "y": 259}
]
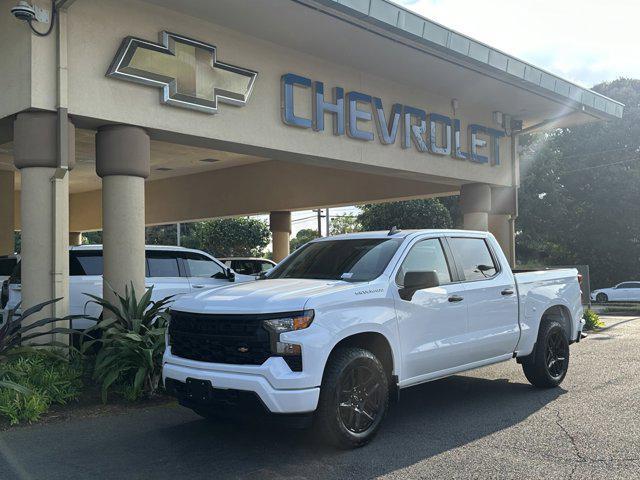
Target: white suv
[{"x": 170, "y": 270}]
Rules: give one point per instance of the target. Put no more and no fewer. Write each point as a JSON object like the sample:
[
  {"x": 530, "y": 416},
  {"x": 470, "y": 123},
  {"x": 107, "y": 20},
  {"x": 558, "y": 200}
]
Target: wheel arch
[
  {"x": 561, "y": 314},
  {"x": 376, "y": 342}
]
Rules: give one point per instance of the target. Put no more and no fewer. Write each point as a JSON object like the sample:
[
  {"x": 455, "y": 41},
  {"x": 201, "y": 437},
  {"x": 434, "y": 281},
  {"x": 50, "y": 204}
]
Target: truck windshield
[{"x": 356, "y": 260}]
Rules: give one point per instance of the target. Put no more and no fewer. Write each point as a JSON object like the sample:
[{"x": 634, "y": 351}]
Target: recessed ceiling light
[
  {"x": 164, "y": 169},
  {"x": 209, "y": 160}
]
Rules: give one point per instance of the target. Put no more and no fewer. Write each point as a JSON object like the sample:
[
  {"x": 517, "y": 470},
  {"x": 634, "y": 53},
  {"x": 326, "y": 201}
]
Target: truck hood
[{"x": 262, "y": 296}]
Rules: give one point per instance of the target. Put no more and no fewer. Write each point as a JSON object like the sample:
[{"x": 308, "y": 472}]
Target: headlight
[
  {"x": 290, "y": 352},
  {"x": 289, "y": 324}
]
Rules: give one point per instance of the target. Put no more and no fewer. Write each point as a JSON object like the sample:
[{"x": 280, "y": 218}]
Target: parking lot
[{"x": 485, "y": 424}]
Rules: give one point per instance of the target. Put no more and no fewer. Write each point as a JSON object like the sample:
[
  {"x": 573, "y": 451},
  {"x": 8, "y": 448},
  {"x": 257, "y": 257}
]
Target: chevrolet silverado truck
[{"x": 344, "y": 324}]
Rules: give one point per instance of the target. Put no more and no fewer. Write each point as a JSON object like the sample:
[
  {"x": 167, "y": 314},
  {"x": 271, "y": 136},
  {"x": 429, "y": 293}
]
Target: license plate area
[{"x": 197, "y": 390}]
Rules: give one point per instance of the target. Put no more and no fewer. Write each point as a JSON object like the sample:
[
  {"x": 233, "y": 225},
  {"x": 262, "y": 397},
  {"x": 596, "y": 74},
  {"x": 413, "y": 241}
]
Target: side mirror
[
  {"x": 231, "y": 275},
  {"x": 418, "y": 280}
]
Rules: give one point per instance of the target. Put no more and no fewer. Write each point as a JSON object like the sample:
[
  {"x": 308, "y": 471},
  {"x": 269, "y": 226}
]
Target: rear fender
[{"x": 533, "y": 313}]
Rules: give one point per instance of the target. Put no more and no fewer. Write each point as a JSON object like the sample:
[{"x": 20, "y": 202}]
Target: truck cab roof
[{"x": 402, "y": 234}]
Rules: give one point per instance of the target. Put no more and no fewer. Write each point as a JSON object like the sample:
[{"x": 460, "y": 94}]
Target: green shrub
[
  {"x": 131, "y": 344},
  {"x": 592, "y": 320},
  {"x": 18, "y": 337},
  {"x": 45, "y": 379}
]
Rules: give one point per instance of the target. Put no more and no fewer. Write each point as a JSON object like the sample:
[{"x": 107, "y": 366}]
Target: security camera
[{"x": 24, "y": 11}]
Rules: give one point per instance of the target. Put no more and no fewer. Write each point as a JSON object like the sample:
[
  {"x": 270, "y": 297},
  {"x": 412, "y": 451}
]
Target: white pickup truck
[
  {"x": 345, "y": 323},
  {"x": 170, "y": 270}
]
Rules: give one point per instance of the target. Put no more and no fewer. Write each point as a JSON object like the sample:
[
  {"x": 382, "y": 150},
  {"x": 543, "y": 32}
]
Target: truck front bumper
[{"x": 225, "y": 381}]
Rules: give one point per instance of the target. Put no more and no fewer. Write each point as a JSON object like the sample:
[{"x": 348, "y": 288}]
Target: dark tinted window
[
  {"x": 7, "y": 265},
  {"x": 475, "y": 258},
  {"x": 265, "y": 266},
  {"x": 162, "y": 264},
  {"x": 424, "y": 256},
  {"x": 246, "y": 267},
  {"x": 629, "y": 285},
  {"x": 15, "y": 277},
  {"x": 200, "y": 265},
  {"x": 85, "y": 263},
  {"x": 350, "y": 260}
]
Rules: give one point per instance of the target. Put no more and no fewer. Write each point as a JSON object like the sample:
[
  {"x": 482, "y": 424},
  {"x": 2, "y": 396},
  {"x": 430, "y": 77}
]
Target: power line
[
  {"x": 598, "y": 152},
  {"x": 601, "y": 166}
]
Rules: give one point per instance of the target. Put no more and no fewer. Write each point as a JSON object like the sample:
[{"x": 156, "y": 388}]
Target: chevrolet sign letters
[
  {"x": 186, "y": 70},
  {"x": 433, "y": 133}
]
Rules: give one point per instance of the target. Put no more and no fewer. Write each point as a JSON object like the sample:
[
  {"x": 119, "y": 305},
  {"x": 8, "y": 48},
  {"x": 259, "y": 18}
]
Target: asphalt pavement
[{"x": 484, "y": 424}]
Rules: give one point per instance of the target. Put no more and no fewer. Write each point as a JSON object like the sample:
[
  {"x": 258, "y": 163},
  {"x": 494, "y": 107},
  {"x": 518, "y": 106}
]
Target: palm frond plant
[
  {"x": 131, "y": 339},
  {"x": 18, "y": 336}
]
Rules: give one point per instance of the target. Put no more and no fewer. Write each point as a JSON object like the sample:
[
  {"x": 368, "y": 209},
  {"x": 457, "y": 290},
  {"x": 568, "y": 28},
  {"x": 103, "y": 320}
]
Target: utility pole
[
  {"x": 178, "y": 234},
  {"x": 328, "y": 222},
  {"x": 319, "y": 222}
]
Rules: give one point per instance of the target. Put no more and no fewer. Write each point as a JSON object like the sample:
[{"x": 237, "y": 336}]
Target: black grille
[{"x": 235, "y": 339}]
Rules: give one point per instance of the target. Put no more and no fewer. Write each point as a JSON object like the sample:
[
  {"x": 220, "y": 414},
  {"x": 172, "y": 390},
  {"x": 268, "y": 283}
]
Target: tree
[
  {"x": 303, "y": 236},
  {"x": 92, "y": 238},
  {"x": 344, "y": 224},
  {"x": 17, "y": 241},
  {"x": 229, "y": 237},
  {"x": 580, "y": 192},
  {"x": 162, "y": 235},
  {"x": 426, "y": 213}
]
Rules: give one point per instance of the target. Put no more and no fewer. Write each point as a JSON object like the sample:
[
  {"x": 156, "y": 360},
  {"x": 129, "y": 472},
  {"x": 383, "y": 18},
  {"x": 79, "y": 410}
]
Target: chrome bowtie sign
[{"x": 186, "y": 70}]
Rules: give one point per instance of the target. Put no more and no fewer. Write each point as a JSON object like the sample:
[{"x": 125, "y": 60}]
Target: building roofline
[{"x": 401, "y": 22}]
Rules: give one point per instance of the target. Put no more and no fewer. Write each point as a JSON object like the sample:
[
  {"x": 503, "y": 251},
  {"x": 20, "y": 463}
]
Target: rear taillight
[{"x": 580, "y": 279}]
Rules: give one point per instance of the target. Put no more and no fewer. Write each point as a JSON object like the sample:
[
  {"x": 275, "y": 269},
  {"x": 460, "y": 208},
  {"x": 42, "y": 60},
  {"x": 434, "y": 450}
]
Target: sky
[{"x": 585, "y": 41}]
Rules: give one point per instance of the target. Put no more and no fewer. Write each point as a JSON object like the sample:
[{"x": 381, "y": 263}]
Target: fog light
[{"x": 288, "y": 348}]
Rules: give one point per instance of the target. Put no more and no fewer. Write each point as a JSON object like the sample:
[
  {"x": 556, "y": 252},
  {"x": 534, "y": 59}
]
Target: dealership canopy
[{"x": 134, "y": 113}]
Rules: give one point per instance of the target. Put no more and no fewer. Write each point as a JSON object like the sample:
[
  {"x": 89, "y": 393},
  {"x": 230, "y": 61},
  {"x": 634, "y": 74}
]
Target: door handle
[
  {"x": 455, "y": 298},
  {"x": 507, "y": 291},
  {"x": 198, "y": 286}
]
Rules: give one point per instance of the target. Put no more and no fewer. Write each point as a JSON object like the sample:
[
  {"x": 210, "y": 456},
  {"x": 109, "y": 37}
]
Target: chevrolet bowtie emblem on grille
[
  {"x": 186, "y": 71},
  {"x": 243, "y": 349}
]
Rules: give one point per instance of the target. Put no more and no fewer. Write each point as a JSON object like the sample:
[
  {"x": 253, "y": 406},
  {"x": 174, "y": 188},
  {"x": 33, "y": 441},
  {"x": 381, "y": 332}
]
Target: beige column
[
  {"x": 7, "y": 220},
  {"x": 280, "y": 226},
  {"x": 122, "y": 160},
  {"x": 44, "y": 204},
  {"x": 501, "y": 220},
  {"x": 475, "y": 202},
  {"x": 75, "y": 238}
]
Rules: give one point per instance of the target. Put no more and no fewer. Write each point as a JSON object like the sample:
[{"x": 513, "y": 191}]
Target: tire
[
  {"x": 548, "y": 364},
  {"x": 354, "y": 398},
  {"x": 602, "y": 298}
]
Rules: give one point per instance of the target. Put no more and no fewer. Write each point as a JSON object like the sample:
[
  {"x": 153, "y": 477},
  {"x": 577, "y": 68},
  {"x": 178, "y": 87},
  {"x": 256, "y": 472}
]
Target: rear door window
[
  {"x": 162, "y": 264},
  {"x": 87, "y": 262},
  {"x": 474, "y": 257}
]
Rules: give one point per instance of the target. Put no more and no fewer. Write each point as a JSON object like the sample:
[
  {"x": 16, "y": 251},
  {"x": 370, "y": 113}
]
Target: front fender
[{"x": 335, "y": 324}]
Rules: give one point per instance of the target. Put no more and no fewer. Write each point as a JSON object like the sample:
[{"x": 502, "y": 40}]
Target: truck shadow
[{"x": 430, "y": 419}]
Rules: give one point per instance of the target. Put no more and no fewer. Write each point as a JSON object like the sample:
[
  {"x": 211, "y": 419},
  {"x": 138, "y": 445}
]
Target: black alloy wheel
[
  {"x": 602, "y": 298},
  {"x": 547, "y": 366},
  {"x": 360, "y": 398},
  {"x": 354, "y": 397},
  {"x": 557, "y": 353}
]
